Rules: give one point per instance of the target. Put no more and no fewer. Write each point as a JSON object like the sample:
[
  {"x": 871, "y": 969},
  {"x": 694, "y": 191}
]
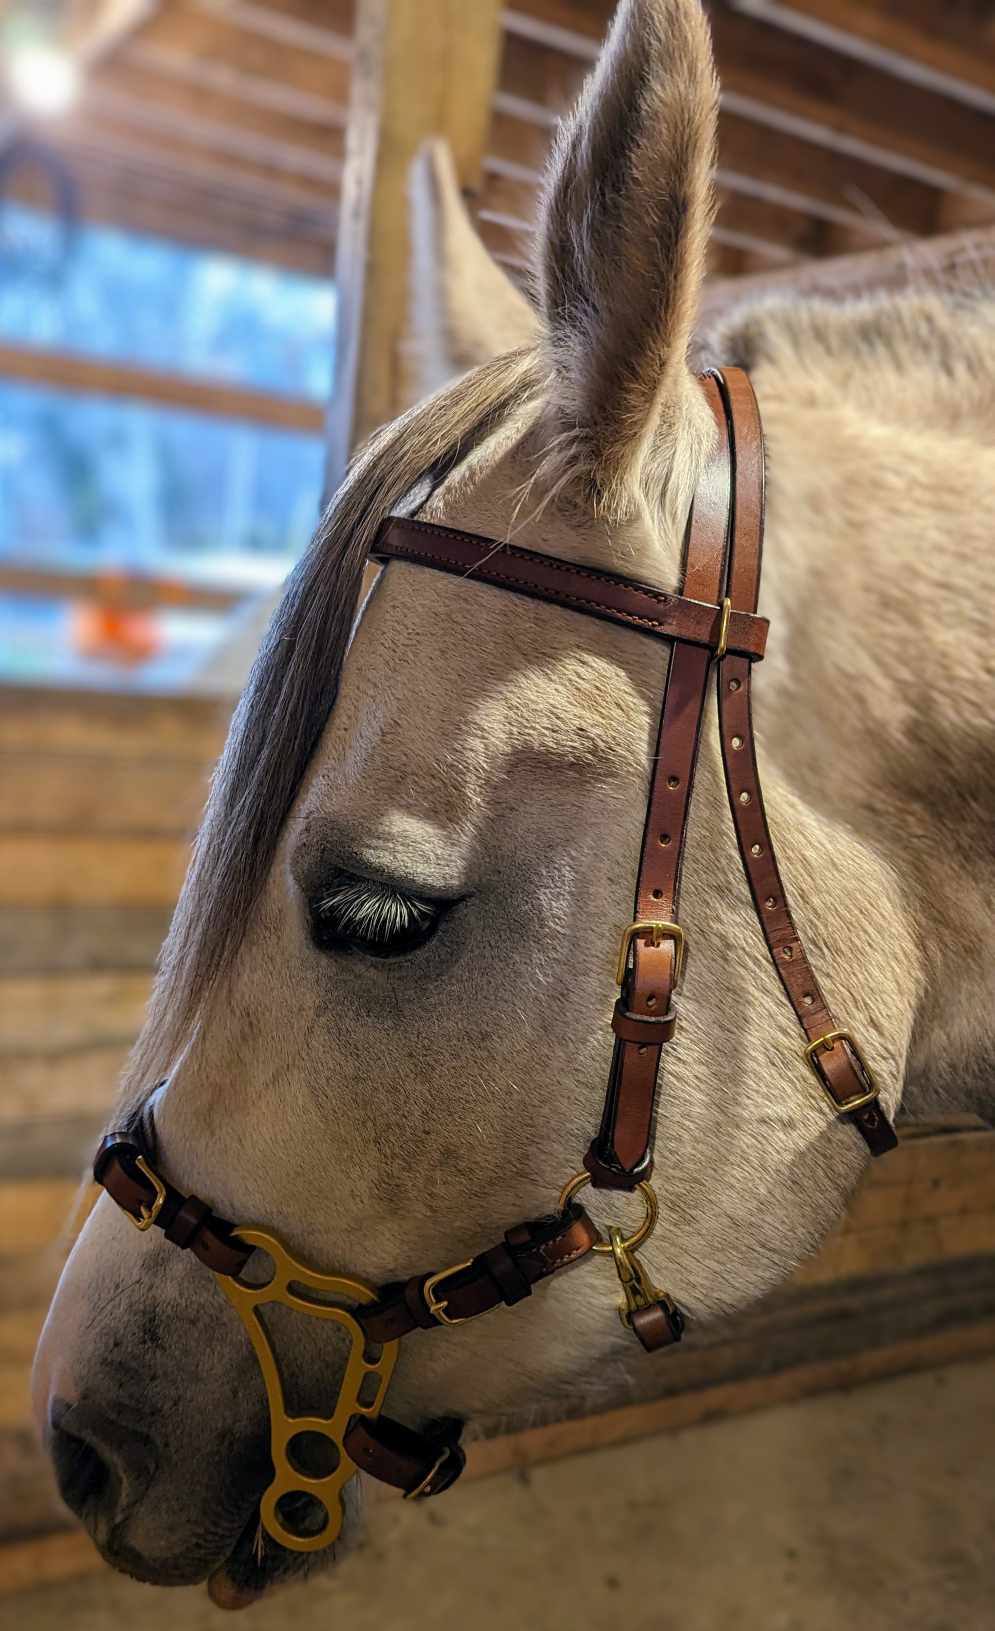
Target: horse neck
[{"x": 878, "y": 685}]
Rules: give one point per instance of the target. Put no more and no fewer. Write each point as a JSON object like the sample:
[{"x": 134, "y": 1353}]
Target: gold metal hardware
[
  {"x": 435, "y": 1305},
  {"x": 650, "y": 1203},
  {"x": 723, "y": 641},
  {"x": 857, "y": 1100},
  {"x": 656, "y": 934},
  {"x": 638, "y": 1290},
  {"x": 148, "y": 1214},
  {"x": 419, "y": 1489},
  {"x": 290, "y": 1285}
]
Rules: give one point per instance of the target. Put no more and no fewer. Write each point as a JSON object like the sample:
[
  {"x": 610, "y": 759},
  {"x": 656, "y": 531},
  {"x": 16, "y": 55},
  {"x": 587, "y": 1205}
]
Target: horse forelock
[{"x": 290, "y": 693}]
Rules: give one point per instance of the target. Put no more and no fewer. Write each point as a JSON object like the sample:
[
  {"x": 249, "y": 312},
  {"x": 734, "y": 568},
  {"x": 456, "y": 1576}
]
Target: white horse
[{"x": 458, "y": 805}]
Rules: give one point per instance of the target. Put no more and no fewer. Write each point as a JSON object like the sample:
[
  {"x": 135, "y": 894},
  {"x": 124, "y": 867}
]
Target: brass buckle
[
  {"x": 148, "y": 1214},
  {"x": 857, "y": 1100},
  {"x": 437, "y": 1306},
  {"x": 722, "y": 644},
  {"x": 422, "y": 1487},
  {"x": 656, "y": 933}
]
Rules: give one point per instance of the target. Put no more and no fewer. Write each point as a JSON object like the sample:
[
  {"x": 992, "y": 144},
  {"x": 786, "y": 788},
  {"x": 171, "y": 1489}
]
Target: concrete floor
[{"x": 873, "y": 1510}]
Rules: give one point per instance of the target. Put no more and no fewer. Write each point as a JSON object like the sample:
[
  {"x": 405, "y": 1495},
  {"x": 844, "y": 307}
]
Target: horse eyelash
[{"x": 362, "y": 910}]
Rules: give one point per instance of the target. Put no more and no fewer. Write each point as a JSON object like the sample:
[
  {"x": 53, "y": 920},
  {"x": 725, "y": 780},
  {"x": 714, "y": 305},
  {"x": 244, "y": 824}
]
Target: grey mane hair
[{"x": 290, "y": 693}]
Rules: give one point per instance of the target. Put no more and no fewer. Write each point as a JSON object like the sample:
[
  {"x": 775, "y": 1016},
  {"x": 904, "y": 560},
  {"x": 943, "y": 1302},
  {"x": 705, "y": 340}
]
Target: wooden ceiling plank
[
  {"x": 325, "y": 27},
  {"x": 845, "y": 102},
  {"x": 221, "y": 78},
  {"x": 182, "y": 102},
  {"x": 183, "y": 30},
  {"x": 918, "y": 40},
  {"x": 410, "y": 81},
  {"x": 241, "y": 142}
]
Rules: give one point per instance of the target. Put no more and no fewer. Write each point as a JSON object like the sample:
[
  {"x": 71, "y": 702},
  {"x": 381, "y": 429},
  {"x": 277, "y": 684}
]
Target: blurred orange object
[{"x": 109, "y": 629}]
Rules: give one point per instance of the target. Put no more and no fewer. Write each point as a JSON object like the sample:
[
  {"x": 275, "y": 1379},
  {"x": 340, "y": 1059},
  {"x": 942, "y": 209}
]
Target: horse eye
[{"x": 357, "y": 915}]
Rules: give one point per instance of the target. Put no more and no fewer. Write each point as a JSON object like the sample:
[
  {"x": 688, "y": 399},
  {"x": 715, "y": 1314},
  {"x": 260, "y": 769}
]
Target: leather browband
[
  {"x": 712, "y": 622},
  {"x": 582, "y": 589}
]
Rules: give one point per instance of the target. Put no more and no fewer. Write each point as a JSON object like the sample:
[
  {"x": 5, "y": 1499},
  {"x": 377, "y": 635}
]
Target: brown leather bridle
[{"x": 712, "y": 623}]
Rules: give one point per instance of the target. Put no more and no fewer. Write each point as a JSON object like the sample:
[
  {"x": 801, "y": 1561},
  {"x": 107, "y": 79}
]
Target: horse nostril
[
  {"x": 100, "y": 1466},
  {"x": 82, "y": 1473}
]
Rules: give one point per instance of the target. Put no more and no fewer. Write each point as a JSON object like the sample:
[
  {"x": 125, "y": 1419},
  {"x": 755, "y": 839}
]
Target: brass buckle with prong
[
  {"x": 856, "y": 1100},
  {"x": 148, "y": 1214},
  {"x": 656, "y": 934},
  {"x": 437, "y": 1305}
]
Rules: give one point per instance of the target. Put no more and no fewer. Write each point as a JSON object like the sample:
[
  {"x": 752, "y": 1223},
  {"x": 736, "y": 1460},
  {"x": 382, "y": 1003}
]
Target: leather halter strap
[
  {"x": 831, "y": 1052},
  {"x": 419, "y": 1463}
]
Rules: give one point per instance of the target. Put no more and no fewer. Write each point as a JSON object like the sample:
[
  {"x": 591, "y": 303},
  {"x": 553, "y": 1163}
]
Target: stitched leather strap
[
  {"x": 581, "y": 589},
  {"x": 506, "y": 1273},
  {"x": 838, "y": 1064},
  {"x": 185, "y": 1220},
  {"x": 621, "y": 1154}
]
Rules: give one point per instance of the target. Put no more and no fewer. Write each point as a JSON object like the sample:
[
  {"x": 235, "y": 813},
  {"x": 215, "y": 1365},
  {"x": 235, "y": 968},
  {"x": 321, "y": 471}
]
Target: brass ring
[{"x": 650, "y": 1202}]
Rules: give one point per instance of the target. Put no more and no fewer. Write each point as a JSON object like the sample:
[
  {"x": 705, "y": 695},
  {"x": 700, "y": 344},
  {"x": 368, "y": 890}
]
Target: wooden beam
[
  {"x": 411, "y": 80},
  {"x": 69, "y": 371},
  {"x": 949, "y": 48},
  {"x": 325, "y": 26},
  {"x": 138, "y": 592}
]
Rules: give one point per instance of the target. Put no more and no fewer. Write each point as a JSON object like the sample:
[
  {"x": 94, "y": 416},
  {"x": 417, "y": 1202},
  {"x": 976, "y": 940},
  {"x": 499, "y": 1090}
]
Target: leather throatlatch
[{"x": 711, "y": 625}]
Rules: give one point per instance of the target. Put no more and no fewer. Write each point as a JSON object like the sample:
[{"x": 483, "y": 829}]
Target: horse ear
[
  {"x": 464, "y": 309},
  {"x": 624, "y": 225}
]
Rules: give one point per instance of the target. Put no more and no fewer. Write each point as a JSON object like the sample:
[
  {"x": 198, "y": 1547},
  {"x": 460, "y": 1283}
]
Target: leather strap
[
  {"x": 605, "y": 595},
  {"x": 620, "y": 1156},
  {"x": 185, "y": 1220},
  {"x": 420, "y": 1464},
  {"x": 838, "y": 1064},
  {"x": 506, "y": 1273}
]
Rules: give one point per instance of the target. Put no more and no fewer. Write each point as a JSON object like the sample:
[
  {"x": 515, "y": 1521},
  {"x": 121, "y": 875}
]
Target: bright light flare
[{"x": 44, "y": 80}]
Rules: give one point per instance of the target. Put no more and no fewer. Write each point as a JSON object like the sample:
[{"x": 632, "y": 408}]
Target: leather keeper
[
  {"x": 609, "y": 1175},
  {"x": 188, "y": 1222},
  {"x": 506, "y": 1274},
  {"x": 643, "y": 1029},
  {"x": 659, "y": 1326}
]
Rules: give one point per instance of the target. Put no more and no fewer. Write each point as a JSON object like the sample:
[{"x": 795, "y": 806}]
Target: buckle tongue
[
  {"x": 437, "y": 1305},
  {"x": 856, "y": 1101}
]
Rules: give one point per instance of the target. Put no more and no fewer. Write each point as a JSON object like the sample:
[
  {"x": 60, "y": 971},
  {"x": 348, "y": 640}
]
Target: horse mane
[{"x": 290, "y": 693}]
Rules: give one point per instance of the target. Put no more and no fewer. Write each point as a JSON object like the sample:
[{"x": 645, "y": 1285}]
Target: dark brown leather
[
  {"x": 658, "y": 1326},
  {"x": 185, "y": 1220},
  {"x": 840, "y": 1067},
  {"x": 620, "y": 1156},
  {"x": 505, "y": 1274},
  {"x": 420, "y": 1464},
  {"x": 582, "y": 589}
]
